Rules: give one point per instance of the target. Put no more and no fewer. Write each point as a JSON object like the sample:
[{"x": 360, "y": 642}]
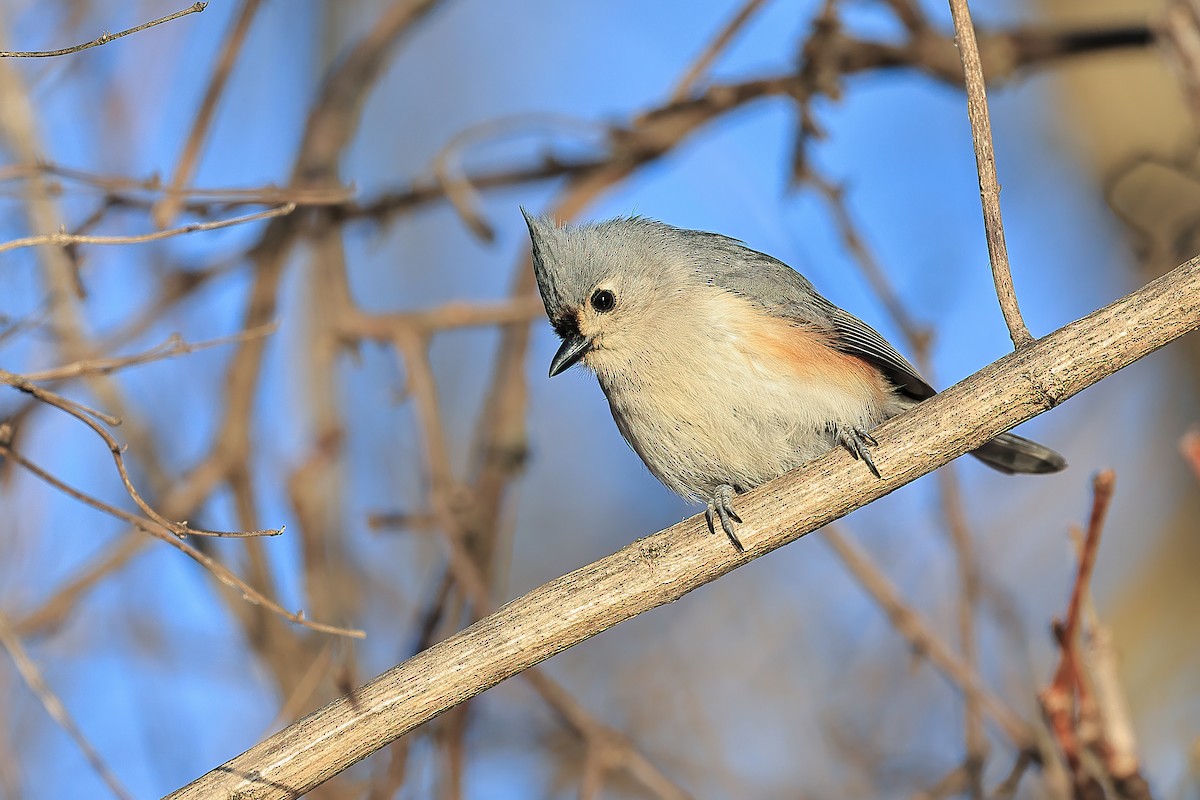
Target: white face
[
  {"x": 616, "y": 292},
  {"x": 636, "y": 328}
]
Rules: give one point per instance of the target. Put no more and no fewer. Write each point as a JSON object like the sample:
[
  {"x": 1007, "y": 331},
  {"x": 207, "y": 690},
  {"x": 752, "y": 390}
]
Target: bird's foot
[
  {"x": 858, "y": 441},
  {"x": 720, "y": 508}
]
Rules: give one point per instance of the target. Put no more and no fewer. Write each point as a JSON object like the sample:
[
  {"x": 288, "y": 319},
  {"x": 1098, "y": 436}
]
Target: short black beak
[{"x": 574, "y": 347}]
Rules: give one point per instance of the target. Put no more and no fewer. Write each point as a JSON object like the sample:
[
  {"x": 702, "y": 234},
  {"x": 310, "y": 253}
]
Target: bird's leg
[
  {"x": 858, "y": 441},
  {"x": 719, "y": 506}
]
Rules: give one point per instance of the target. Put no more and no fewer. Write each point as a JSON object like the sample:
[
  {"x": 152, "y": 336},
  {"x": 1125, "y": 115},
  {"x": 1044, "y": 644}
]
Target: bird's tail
[{"x": 1012, "y": 454}]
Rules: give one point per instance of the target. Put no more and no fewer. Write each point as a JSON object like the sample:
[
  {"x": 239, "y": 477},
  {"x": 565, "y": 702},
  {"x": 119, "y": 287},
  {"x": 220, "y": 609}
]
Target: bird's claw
[
  {"x": 858, "y": 442},
  {"x": 719, "y": 506}
]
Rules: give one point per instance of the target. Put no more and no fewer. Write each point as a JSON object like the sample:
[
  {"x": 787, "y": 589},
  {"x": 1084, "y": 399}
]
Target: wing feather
[{"x": 780, "y": 290}]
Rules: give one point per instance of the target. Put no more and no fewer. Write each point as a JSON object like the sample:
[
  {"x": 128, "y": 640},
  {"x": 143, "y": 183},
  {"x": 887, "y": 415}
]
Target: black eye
[{"x": 603, "y": 300}]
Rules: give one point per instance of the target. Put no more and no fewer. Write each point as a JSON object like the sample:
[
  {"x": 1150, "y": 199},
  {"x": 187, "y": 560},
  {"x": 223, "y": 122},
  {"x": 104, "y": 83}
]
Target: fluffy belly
[
  {"x": 698, "y": 434},
  {"x": 738, "y": 399}
]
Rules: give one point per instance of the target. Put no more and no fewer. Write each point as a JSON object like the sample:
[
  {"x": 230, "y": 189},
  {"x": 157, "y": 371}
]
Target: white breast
[{"x": 708, "y": 404}]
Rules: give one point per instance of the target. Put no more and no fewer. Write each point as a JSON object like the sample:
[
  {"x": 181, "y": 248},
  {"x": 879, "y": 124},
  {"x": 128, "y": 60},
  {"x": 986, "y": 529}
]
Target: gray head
[{"x": 611, "y": 286}]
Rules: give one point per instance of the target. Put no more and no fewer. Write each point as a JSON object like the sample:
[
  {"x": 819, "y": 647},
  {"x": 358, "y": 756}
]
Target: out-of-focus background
[{"x": 397, "y": 421}]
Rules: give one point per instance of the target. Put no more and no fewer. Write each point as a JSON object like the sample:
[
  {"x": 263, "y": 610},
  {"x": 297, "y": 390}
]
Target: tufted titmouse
[{"x": 723, "y": 367}]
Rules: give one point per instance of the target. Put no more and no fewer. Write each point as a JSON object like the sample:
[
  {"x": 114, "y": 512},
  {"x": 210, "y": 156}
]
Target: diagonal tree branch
[{"x": 663, "y": 567}]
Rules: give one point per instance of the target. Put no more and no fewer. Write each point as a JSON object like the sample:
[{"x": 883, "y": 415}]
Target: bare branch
[
  {"x": 218, "y": 570},
  {"x": 174, "y": 346},
  {"x": 924, "y": 641},
  {"x": 985, "y": 162},
  {"x": 227, "y": 196},
  {"x": 168, "y": 207},
  {"x": 66, "y": 239},
  {"x": 54, "y": 707},
  {"x": 194, "y": 8},
  {"x": 1058, "y": 700},
  {"x": 658, "y": 130},
  {"x": 722, "y": 40},
  {"x": 90, "y": 417}
]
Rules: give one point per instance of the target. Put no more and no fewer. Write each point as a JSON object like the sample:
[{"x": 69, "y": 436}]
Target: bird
[{"x": 724, "y": 367}]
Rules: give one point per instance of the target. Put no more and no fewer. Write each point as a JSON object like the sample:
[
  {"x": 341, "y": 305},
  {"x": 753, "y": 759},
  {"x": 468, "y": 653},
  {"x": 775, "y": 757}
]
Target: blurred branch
[
  {"x": 918, "y": 336},
  {"x": 653, "y": 132},
  {"x": 1058, "y": 700},
  {"x": 67, "y": 239},
  {"x": 216, "y": 568},
  {"x": 722, "y": 40},
  {"x": 56, "y": 609},
  {"x": 925, "y": 642},
  {"x": 1003, "y": 53},
  {"x": 909, "y": 13},
  {"x": 954, "y": 783},
  {"x": 54, "y": 707},
  {"x": 1179, "y": 31},
  {"x": 194, "y": 8},
  {"x": 168, "y": 207},
  {"x": 1189, "y": 447},
  {"x": 332, "y": 121},
  {"x": 1008, "y": 786},
  {"x": 457, "y": 186},
  {"x": 229, "y": 196},
  {"x": 1114, "y": 741},
  {"x": 985, "y": 162},
  {"x": 663, "y": 567},
  {"x": 1084, "y": 702},
  {"x": 385, "y": 327}
]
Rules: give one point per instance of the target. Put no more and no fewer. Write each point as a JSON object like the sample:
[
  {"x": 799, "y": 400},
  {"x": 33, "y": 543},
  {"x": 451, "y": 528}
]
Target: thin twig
[
  {"x": 1058, "y": 700},
  {"x": 216, "y": 568},
  {"x": 65, "y": 239},
  {"x": 985, "y": 162},
  {"x": 1103, "y": 486},
  {"x": 1104, "y": 724},
  {"x": 194, "y": 8},
  {"x": 54, "y": 707},
  {"x": 89, "y": 418},
  {"x": 172, "y": 347}
]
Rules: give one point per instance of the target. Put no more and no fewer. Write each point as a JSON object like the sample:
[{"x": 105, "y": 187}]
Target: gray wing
[
  {"x": 858, "y": 338},
  {"x": 779, "y": 289}
]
